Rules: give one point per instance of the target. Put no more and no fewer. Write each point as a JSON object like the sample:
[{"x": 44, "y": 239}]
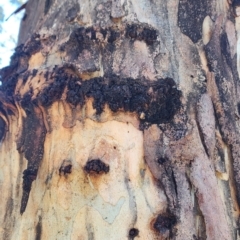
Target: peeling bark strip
[{"x": 224, "y": 95}]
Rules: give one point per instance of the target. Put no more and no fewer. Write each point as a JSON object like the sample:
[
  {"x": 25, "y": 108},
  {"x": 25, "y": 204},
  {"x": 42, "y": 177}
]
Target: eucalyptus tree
[{"x": 120, "y": 120}]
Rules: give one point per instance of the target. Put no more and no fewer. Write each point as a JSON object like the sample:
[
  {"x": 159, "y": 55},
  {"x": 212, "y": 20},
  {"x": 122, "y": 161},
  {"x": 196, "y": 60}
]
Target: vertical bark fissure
[
  {"x": 39, "y": 229},
  {"x": 201, "y": 135},
  {"x": 200, "y": 220}
]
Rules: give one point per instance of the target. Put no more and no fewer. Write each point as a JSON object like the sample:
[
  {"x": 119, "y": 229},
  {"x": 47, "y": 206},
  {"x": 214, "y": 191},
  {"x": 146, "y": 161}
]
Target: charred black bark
[
  {"x": 2, "y": 128},
  {"x": 85, "y": 38},
  {"x": 32, "y": 144},
  {"x": 18, "y": 65},
  {"x": 165, "y": 223},
  {"x": 191, "y": 14},
  {"x": 66, "y": 168},
  {"x": 96, "y": 166},
  {"x": 158, "y": 101},
  {"x": 133, "y": 232}
]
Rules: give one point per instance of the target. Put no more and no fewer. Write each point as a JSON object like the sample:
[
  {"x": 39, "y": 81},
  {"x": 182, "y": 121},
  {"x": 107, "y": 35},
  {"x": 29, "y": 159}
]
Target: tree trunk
[{"x": 120, "y": 120}]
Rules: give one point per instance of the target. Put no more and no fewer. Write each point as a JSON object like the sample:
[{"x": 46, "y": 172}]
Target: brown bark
[{"x": 120, "y": 120}]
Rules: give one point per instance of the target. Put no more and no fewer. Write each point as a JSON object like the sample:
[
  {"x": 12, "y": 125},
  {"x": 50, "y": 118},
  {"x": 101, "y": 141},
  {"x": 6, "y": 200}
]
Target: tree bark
[{"x": 120, "y": 120}]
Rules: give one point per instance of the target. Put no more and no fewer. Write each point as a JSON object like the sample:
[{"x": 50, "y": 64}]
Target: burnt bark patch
[
  {"x": 132, "y": 31},
  {"x": 133, "y": 232},
  {"x": 141, "y": 33},
  {"x": 75, "y": 94},
  {"x": 29, "y": 175},
  {"x": 78, "y": 41},
  {"x": 33, "y": 131},
  {"x": 33, "y": 46},
  {"x": 164, "y": 101},
  {"x": 8, "y": 86},
  {"x": 32, "y": 144},
  {"x": 55, "y": 89},
  {"x": 66, "y": 168},
  {"x": 164, "y": 222},
  {"x": 149, "y": 35},
  {"x": 191, "y": 14},
  {"x": 113, "y": 35},
  {"x": 84, "y": 38},
  {"x": 157, "y": 102},
  {"x": 91, "y": 32},
  {"x": 19, "y": 64},
  {"x": 34, "y": 73},
  {"x": 96, "y": 166}
]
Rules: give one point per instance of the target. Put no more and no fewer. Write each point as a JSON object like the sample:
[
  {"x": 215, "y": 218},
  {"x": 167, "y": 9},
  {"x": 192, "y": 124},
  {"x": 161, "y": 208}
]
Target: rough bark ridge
[{"x": 120, "y": 120}]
